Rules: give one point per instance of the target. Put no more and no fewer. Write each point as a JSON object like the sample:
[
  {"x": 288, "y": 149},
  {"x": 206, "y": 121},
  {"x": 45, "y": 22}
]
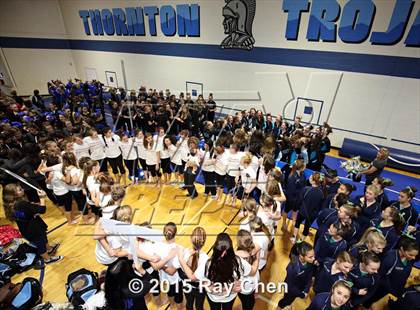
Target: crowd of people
[{"x": 85, "y": 147}]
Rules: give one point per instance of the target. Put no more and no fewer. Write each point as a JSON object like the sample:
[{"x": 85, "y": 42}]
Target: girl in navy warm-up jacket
[
  {"x": 310, "y": 204},
  {"x": 370, "y": 207},
  {"x": 331, "y": 271},
  {"x": 390, "y": 224},
  {"x": 331, "y": 243},
  {"x": 337, "y": 299},
  {"x": 300, "y": 271},
  {"x": 295, "y": 184},
  {"x": 326, "y": 214},
  {"x": 372, "y": 240},
  {"x": 382, "y": 198},
  {"x": 364, "y": 277},
  {"x": 406, "y": 208},
  {"x": 345, "y": 215},
  {"x": 395, "y": 269},
  {"x": 344, "y": 189}
]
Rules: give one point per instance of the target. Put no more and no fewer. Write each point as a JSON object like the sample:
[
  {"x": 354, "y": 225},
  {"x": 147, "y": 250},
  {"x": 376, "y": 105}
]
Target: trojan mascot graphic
[{"x": 238, "y": 18}]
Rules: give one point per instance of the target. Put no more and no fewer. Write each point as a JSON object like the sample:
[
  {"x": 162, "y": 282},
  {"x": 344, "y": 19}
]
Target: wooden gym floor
[{"x": 159, "y": 206}]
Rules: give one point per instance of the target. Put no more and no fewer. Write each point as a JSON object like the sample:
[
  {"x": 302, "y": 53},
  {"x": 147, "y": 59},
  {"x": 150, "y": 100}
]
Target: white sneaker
[
  {"x": 293, "y": 240},
  {"x": 53, "y": 259},
  {"x": 181, "y": 185}
]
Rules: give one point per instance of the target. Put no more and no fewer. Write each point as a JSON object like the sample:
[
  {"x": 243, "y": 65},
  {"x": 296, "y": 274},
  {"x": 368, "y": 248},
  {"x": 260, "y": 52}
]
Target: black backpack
[
  {"x": 23, "y": 259},
  {"x": 28, "y": 295},
  {"x": 81, "y": 285},
  {"x": 7, "y": 270}
]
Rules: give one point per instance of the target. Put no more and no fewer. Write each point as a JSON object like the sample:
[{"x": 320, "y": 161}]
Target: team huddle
[{"x": 82, "y": 151}]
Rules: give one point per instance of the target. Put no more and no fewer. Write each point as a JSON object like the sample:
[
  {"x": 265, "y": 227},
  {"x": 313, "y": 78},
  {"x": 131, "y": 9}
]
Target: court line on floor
[
  {"x": 57, "y": 227},
  {"x": 231, "y": 221},
  {"x": 199, "y": 213},
  {"x": 267, "y": 300}
]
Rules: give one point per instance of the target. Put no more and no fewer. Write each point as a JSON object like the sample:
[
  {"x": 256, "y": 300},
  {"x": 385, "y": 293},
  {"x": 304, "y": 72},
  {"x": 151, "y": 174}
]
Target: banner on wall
[
  {"x": 182, "y": 20},
  {"x": 328, "y": 21}
]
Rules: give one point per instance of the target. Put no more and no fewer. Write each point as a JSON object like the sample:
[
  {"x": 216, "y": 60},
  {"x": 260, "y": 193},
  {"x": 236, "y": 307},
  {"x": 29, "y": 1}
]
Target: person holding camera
[{"x": 27, "y": 217}]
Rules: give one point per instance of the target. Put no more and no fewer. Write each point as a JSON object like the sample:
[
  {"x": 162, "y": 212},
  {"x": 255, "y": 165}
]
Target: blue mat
[{"x": 400, "y": 180}]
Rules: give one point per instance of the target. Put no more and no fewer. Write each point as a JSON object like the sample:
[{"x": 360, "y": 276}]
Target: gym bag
[
  {"x": 81, "y": 285},
  {"x": 21, "y": 296},
  {"x": 23, "y": 259}
]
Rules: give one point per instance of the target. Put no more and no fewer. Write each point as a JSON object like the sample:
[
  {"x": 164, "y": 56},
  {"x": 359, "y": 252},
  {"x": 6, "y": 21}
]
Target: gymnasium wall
[
  {"x": 32, "y": 67},
  {"x": 4, "y": 73},
  {"x": 368, "y": 92}
]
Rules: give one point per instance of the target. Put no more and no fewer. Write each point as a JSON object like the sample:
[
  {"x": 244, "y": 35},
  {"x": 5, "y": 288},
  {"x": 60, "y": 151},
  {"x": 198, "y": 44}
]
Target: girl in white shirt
[
  {"x": 113, "y": 155},
  {"x": 247, "y": 180},
  {"x": 275, "y": 190},
  {"x": 261, "y": 236},
  {"x": 67, "y": 146},
  {"x": 96, "y": 148},
  {"x": 73, "y": 177},
  {"x": 80, "y": 148},
  {"x": 110, "y": 248},
  {"x": 141, "y": 152},
  {"x": 184, "y": 148},
  {"x": 103, "y": 197},
  {"x": 270, "y": 215},
  {"x": 207, "y": 168},
  {"x": 182, "y": 151},
  {"x": 191, "y": 168},
  {"x": 247, "y": 250},
  {"x": 255, "y": 162},
  {"x": 220, "y": 276},
  {"x": 116, "y": 197},
  {"x": 151, "y": 262},
  {"x": 152, "y": 159},
  {"x": 159, "y": 138},
  {"x": 56, "y": 179},
  {"x": 267, "y": 164},
  {"x": 176, "y": 161},
  {"x": 232, "y": 170},
  {"x": 167, "y": 270},
  {"x": 91, "y": 186},
  {"x": 167, "y": 151},
  {"x": 193, "y": 262},
  {"x": 158, "y": 146},
  {"x": 248, "y": 211},
  {"x": 220, "y": 167},
  {"x": 130, "y": 157},
  {"x": 80, "y": 197}
]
